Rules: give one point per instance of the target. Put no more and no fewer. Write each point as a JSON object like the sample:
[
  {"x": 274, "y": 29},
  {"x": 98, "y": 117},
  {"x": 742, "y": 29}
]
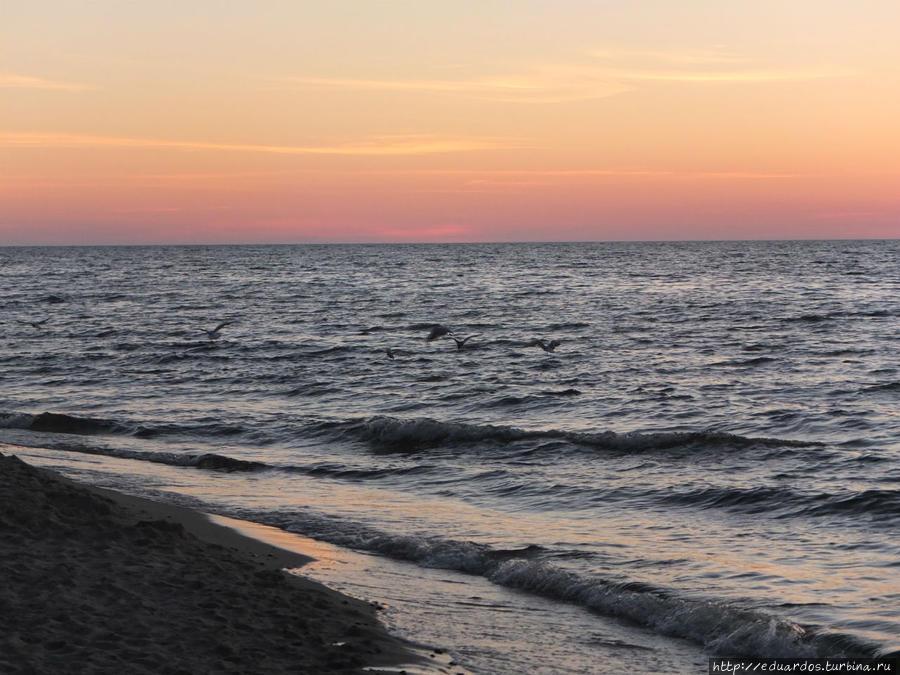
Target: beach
[{"x": 95, "y": 581}]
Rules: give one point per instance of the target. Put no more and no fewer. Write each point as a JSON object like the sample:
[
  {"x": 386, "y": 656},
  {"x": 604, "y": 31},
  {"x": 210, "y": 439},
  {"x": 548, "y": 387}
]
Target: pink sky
[{"x": 467, "y": 121}]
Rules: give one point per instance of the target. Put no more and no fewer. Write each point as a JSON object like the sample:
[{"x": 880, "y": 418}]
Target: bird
[
  {"x": 215, "y": 332},
  {"x": 390, "y": 353},
  {"x": 36, "y": 324},
  {"x": 544, "y": 344},
  {"x": 461, "y": 343},
  {"x": 438, "y": 331}
]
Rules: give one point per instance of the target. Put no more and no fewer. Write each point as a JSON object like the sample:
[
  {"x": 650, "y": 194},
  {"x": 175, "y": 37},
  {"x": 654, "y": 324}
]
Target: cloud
[
  {"x": 695, "y": 57},
  {"x": 511, "y": 181},
  {"x": 26, "y": 82},
  {"x": 748, "y": 75},
  {"x": 712, "y": 65},
  {"x": 603, "y": 73},
  {"x": 539, "y": 86},
  {"x": 526, "y": 175},
  {"x": 420, "y": 232},
  {"x": 376, "y": 146}
]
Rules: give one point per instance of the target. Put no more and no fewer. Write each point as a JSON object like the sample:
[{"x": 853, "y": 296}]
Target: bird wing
[{"x": 438, "y": 331}]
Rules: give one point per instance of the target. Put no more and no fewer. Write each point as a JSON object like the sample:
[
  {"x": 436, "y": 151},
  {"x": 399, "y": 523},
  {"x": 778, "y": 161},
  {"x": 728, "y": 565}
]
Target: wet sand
[{"x": 94, "y": 581}]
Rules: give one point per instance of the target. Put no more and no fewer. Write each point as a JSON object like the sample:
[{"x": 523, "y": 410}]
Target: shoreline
[{"x": 99, "y": 581}]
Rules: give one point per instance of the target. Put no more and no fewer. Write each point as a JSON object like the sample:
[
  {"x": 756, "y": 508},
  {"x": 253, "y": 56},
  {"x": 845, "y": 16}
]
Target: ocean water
[{"x": 707, "y": 464}]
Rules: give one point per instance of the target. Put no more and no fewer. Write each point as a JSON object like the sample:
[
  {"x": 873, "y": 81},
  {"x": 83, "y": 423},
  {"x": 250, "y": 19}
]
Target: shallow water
[{"x": 710, "y": 458}]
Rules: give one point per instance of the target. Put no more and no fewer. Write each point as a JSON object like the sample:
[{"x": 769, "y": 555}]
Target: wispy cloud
[
  {"x": 602, "y": 73},
  {"x": 517, "y": 175},
  {"x": 453, "y": 231},
  {"x": 380, "y": 145},
  {"x": 512, "y": 181},
  {"x": 539, "y": 86},
  {"x": 739, "y": 75},
  {"x": 26, "y": 82},
  {"x": 681, "y": 57},
  {"x": 699, "y": 65}
]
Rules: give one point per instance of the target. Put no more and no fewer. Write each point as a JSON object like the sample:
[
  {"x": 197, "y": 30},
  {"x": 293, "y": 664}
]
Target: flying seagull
[
  {"x": 215, "y": 332},
  {"x": 543, "y": 344},
  {"x": 438, "y": 331},
  {"x": 461, "y": 343}
]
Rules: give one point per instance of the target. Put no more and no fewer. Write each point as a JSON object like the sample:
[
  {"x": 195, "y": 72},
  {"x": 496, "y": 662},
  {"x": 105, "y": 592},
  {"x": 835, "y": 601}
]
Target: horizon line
[{"x": 442, "y": 243}]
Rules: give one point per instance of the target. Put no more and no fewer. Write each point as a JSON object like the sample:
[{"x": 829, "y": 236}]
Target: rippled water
[{"x": 710, "y": 457}]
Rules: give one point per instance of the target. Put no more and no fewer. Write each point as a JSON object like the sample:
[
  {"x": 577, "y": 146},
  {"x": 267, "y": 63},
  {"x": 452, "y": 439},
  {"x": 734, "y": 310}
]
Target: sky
[{"x": 245, "y": 121}]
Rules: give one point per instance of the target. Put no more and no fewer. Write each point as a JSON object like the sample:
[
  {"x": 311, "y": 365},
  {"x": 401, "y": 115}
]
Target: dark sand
[{"x": 93, "y": 581}]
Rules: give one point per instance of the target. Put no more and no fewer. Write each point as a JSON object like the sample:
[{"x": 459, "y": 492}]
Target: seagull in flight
[
  {"x": 215, "y": 332},
  {"x": 544, "y": 344},
  {"x": 37, "y": 325},
  {"x": 461, "y": 343},
  {"x": 438, "y": 331}
]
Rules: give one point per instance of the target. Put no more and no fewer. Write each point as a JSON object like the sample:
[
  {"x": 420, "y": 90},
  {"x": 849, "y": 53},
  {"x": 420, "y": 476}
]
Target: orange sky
[{"x": 293, "y": 121}]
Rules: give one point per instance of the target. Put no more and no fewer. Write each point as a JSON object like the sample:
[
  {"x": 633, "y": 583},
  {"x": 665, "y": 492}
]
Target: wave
[
  {"x": 818, "y": 318},
  {"x": 344, "y": 472},
  {"x": 560, "y": 392},
  {"x": 389, "y": 434},
  {"x": 809, "y": 318},
  {"x": 886, "y": 387},
  {"x": 61, "y": 423},
  {"x": 741, "y": 363},
  {"x": 759, "y": 347},
  {"x": 721, "y": 627},
  {"x": 216, "y": 462},
  {"x": 325, "y": 351},
  {"x": 570, "y": 325},
  {"x": 540, "y": 397},
  {"x": 208, "y": 461},
  {"x": 848, "y": 351},
  {"x": 311, "y": 389},
  {"x": 752, "y": 500},
  {"x": 371, "y": 329},
  {"x": 873, "y": 504},
  {"x": 386, "y": 435}
]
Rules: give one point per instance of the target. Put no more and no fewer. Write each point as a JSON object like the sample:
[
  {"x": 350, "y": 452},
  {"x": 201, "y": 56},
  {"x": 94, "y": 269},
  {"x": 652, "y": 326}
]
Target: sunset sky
[{"x": 231, "y": 121}]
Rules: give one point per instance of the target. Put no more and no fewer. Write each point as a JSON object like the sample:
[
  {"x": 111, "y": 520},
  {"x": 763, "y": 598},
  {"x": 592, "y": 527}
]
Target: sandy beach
[{"x": 94, "y": 581}]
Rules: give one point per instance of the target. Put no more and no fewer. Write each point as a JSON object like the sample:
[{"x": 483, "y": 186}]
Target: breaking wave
[
  {"x": 721, "y": 627},
  {"x": 60, "y": 423},
  {"x": 389, "y": 434}
]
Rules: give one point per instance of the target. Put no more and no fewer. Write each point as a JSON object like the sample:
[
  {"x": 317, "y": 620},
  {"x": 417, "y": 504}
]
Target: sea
[{"x": 706, "y": 464}]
